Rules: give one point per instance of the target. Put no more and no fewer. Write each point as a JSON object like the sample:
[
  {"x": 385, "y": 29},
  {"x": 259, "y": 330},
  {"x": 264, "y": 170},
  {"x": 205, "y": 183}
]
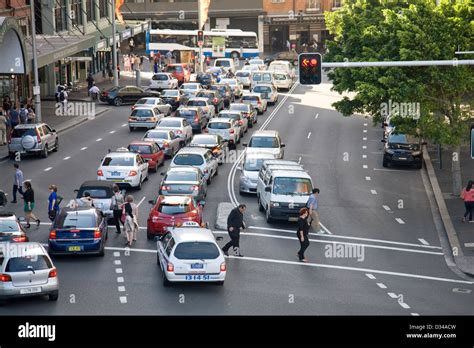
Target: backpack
[
  {"x": 62, "y": 97},
  {"x": 23, "y": 114},
  {"x": 59, "y": 199}
]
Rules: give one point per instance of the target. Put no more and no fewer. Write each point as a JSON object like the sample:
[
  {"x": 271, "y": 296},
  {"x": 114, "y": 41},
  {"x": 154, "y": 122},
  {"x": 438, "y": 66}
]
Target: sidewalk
[{"x": 459, "y": 233}]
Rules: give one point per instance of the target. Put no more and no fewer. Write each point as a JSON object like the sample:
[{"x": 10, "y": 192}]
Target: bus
[{"x": 218, "y": 43}]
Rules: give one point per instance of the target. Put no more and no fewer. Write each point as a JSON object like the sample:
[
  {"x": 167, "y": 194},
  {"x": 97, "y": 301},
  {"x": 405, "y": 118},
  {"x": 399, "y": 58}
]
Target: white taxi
[
  {"x": 190, "y": 253},
  {"x": 123, "y": 168}
]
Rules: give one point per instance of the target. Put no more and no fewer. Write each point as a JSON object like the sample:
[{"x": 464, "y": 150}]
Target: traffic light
[
  {"x": 200, "y": 35},
  {"x": 472, "y": 142},
  {"x": 310, "y": 68}
]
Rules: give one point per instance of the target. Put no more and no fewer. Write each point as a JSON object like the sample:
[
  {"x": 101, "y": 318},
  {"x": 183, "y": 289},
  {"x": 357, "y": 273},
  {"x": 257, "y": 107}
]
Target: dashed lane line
[
  {"x": 374, "y": 192},
  {"x": 316, "y": 117},
  {"x": 392, "y": 294},
  {"x": 365, "y": 166},
  {"x": 386, "y": 207},
  {"x": 381, "y": 285},
  {"x": 364, "y": 156},
  {"x": 367, "y": 178},
  {"x": 309, "y": 135},
  {"x": 400, "y": 221},
  {"x": 66, "y": 158},
  {"x": 84, "y": 148},
  {"x": 121, "y": 288},
  {"x": 364, "y": 147},
  {"x": 423, "y": 241},
  {"x": 48, "y": 169},
  {"x": 112, "y": 132},
  {"x": 100, "y": 139},
  {"x": 141, "y": 201},
  {"x": 370, "y": 276},
  {"x": 123, "y": 299},
  {"x": 120, "y": 280},
  {"x": 415, "y": 314}
]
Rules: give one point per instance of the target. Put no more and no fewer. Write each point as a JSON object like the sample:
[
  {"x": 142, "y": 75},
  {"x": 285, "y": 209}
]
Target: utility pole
[
  {"x": 114, "y": 47},
  {"x": 200, "y": 69},
  {"x": 36, "y": 87}
]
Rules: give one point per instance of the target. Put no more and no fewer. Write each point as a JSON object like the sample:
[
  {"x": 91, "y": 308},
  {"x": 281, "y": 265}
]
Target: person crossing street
[
  {"x": 235, "y": 221},
  {"x": 18, "y": 182},
  {"x": 313, "y": 205}
]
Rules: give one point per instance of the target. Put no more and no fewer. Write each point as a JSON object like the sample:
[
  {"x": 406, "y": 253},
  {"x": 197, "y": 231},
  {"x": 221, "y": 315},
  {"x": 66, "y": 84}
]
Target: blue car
[{"x": 81, "y": 230}]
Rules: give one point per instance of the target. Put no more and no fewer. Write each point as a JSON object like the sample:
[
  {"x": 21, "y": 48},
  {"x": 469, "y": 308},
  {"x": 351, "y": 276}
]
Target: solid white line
[
  {"x": 367, "y": 178},
  {"x": 423, "y": 241},
  {"x": 48, "y": 169},
  {"x": 66, "y": 158},
  {"x": 84, "y": 148},
  {"x": 141, "y": 201},
  {"x": 116, "y": 254},
  {"x": 364, "y": 156},
  {"x": 120, "y": 280},
  {"x": 415, "y": 314},
  {"x": 370, "y": 276},
  {"x": 400, "y": 221},
  {"x": 309, "y": 134},
  {"x": 364, "y": 147},
  {"x": 111, "y": 132},
  {"x": 334, "y": 242},
  {"x": 118, "y": 270},
  {"x": 123, "y": 299},
  {"x": 391, "y": 170},
  {"x": 392, "y": 295},
  {"x": 100, "y": 139},
  {"x": 404, "y": 305},
  {"x": 373, "y": 192},
  {"x": 365, "y": 166},
  {"x": 299, "y": 160},
  {"x": 386, "y": 207},
  {"x": 117, "y": 262},
  {"x": 356, "y": 269},
  {"x": 349, "y": 237},
  {"x": 325, "y": 228},
  {"x": 121, "y": 288},
  {"x": 381, "y": 285}
]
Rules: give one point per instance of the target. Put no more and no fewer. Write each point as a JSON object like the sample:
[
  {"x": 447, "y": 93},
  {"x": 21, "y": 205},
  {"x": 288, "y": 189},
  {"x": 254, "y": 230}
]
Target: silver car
[
  {"x": 197, "y": 157},
  {"x": 155, "y": 102},
  {"x": 39, "y": 139},
  {"x": 250, "y": 167},
  {"x": 236, "y": 86},
  {"x": 243, "y": 77},
  {"x": 26, "y": 270},
  {"x": 166, "y": 139}
]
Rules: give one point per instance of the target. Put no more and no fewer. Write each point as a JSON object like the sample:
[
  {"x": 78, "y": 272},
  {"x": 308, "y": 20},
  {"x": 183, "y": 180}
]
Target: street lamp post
[
  {"x": 200, "y": 68},
  {"x": 114, "y": 47},
  {"x": 36, "y": 87}
]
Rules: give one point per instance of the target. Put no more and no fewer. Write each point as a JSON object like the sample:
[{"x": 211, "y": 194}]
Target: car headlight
[
  {"x": 390, "y": 152},
  {"x": 274, "y": 204},
  {"x": 245, "y": 179},
  {"x": 416, "y": 153}
]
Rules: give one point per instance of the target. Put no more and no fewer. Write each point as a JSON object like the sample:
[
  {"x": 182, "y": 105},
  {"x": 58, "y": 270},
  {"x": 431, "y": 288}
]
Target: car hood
[{"x": 250, "y": 174}]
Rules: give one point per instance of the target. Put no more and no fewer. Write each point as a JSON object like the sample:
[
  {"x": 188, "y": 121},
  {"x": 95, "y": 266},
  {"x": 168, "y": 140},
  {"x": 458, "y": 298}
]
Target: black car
[
  {"x": 226, "y": 93},
  {"x": 194, "y": 116},
  {"x": 126, "y": 95},
  {"x": 11, "y": 229},
  {"x": 101, "y": 192},
  {"x": 214, "y": 98},
  {"x": 291, "y": 57},
  {"x": 205, "y": 79},
  {"x": 174, "y": 97},
  {"x": 402, "y": 149}
]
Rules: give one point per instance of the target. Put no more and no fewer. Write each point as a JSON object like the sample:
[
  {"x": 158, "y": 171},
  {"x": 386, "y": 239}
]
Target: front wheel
[
  {"x": 118, "y": 101},
  {"x": 56, "y": 146},
  {"x": 268, "y": 217}
]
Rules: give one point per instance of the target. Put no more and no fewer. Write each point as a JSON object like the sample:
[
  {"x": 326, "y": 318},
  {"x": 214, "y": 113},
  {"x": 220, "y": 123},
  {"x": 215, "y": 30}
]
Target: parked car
[
  {"x": 126, "y": 95},
  {"x": 199, "y": 158},
  {"x": 402, "y": 149},
  {"x": 10, "y": 228},
  {"x": 144, "y": 117},
  {"x": 213, "y": 142},
  {"x": 33, "y": 139},
  {"x": 81, "y": 230},
  {"x": 27, "y": 272},
  {"x": 179, "y": 71},
  {"x": 195, "y": 117},
  {"x": 150, "y": 152},
  {"x": 167, "y": 140},
  {"x": 214, "y": 97},
  {"x": 162, "y": 81},
  {"x": 227, "y": 128},
  {"x": 158, "y": 103},
  {"x": 247, "y": 110},
  {"x": 101, "y": 193},
  {"x": 188, "y": 181},
  {"x": 291, "y": 57}
]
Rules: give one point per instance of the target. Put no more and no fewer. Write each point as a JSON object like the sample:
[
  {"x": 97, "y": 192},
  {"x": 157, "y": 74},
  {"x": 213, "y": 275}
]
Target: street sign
[{"x": 310, "y": 68}]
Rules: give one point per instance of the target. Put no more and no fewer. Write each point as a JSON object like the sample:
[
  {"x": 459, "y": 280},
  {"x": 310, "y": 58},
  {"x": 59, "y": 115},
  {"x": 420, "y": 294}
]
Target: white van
[
  {"x": 282, "y": 193},
  {"x": 282, "y": 66},
  {"x": 227, "y": 63},
  {"x": 258, "y": 77}
]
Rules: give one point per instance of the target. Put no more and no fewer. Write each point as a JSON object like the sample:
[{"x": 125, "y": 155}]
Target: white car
[
  {"x": 123, "y": 168},
  {"x": 243, "y": 77},
  {"x": 250, "y": 68},
  {"x": 268, "y": 92},
  {"x": 236, "y": 116},
  {"x": 155, "y": 102},
  {"x": 226, "y": 63},
  {"x": 267, "y": 141},
  {"x": 258, "y": 62},
  {"x": 258, "y": 77},
  {"x": 197, "y": 157},
  {"x": 227, "y": 128},
  {"x": 144, "y": 117},
  {"x": 163, "y": 81},
  {"x": 208, "y": 109},
  {"x": 283, "y": 80},
  {"x": 191, "y": 88},
  {"x": 256, "y": 100},
  {"x": 190, "y": 253},
  {"x": 282, "y": 66},
  {"x": 179, "y": 126},
  {"x": 236, "y": 86}
]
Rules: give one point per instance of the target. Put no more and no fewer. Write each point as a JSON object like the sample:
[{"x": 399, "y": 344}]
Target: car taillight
[
  {"x": 170, "y": 267},
  {"x": 19, "y": 239},
  {"x": 38, "y": 136},
  {"x": 165, "y": 188},
  {"x": 179, "y": 132},
  {"x": 5, "y": 278},
  {"x": 52, "y": 234},
  {"x": 223, "y": 267},
  {"x": 231, "y": 131},
  {"x": 241, "y": 122},
  {"x": 100, "y": 173},
  {"x": 53, "y": 273},
  {"x": 133, "y": 173},
  {"x": 97, "y": 234},
  {"x": 195, "y": 188}
]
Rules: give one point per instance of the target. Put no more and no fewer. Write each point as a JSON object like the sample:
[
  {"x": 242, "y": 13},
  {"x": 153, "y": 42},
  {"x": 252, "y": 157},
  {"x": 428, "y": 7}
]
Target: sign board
[
  {"x": 218, "y": 46},
  {"x": 36, "y": 90},
  {"x": 126, "y": 34}
]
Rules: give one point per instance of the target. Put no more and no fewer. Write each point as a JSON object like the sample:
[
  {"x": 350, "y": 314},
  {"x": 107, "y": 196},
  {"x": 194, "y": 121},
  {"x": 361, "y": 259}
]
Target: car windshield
[
  {"x": 156, "y": 135},
  {"x": 239, "y": 107},
  {"x": 77, "y": 221},
  {"x": 9, "y": 226},
  {"x": 181, "y": 176},
  {"x": 253, "y": 164},
  {"x": 144, "y": 149},
  {"x": 174, "y": 209},
  {"x": 186, "y": 113},
  {"x": 142, "y": 113},
  {"x": 267, "y": 142},
  {"x": 145, "y": 101},
  {"x": 204, "y": 140},
  {"x": 96, "y": 192},
  {"x": 170, "y": 93},
  {"x": 188, "y": 160},
  {"x": 169, "y": 123},
  {"x": 205, "y": 94},
  {"x": 26, "y": 263},
  {"x": 250, "y": 98},
  {"x": 196, "y": 251},
  {"x": 280, "y": 77},
  {"x": 126, "y": 161},
  {"x": 292, "y": 186},
  {"x": 189, "y": 86},
  {"x": 218, "y": 125},
  {"x": 160, "y": 77},
  {"x": 196, "y": 103},
  {"x": 242, "y": 74},
  {"x": 402, "y": 141},
  {"x": 19, "y": 133}
]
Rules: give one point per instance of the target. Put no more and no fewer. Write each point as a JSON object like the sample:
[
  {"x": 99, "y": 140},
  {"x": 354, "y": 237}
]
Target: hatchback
[
  {"x": 165, "y": 139},
  {"x": 199, "y": 158},
  {"x": 144, "y": 117},
  {"x": 227, "y": 128},
  {"x": 195, "y": 117},
  {"x": 10, "y": 228},
  {"x": 150, "y": 152},
  {"x": 187, "y": 181}
]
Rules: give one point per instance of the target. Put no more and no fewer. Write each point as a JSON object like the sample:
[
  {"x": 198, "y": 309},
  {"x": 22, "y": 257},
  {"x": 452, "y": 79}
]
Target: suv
[
  {"x": 402, "y": 149},
  {"x": 38, "y": 139}
]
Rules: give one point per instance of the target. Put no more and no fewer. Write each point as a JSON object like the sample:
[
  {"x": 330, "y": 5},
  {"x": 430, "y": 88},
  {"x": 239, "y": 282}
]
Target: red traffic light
[{"x": 314, "y": 62}]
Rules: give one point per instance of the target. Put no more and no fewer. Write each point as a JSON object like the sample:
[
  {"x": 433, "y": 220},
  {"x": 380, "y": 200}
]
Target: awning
[{"x": 12, "y": 47}]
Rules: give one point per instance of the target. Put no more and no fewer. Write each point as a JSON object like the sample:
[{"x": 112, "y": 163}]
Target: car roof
[
  {"x": 278, "y": 167},
  {"x": 192, "y": 234},
  {"x": 27, "y": 248},
  {"x": 197, "y": 136},
  {"x": 263, "y": 85},
  {"x": 6, "y": 215},
  {"x": 79, "y": 210},
  {"x": 141, "y": 142},
  {"x": 121, "y": 154},
  {"x": 265, "y": 133},
  {"x": 234, "y": 112},
  {"x": 240, "y": 104},
  {"x": 280, "y": 161},
  {"x": 193, "y": 150},
  {"x": 172, "y": 118},
  {"x": 285, "y": 62},
  {"x": 198, "y": 98},
  {"x": 252, "y": 95},
  {"x": 193, "y": 108},
  {"x": 144, "y": 107},
  {"x": 258, "y": 155},
  {"x": 291, "y": 174},
  {"x": 97, "y": 183}
]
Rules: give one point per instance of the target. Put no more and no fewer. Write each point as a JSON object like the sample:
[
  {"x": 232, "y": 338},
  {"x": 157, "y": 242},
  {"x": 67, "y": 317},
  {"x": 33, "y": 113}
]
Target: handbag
[{"x": 52, "y": 214}]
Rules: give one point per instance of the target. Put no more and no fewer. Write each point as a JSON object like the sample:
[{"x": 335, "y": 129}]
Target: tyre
[
  {"x": 139, "y": 187},
  {"x": 118, "y": 101},
  {"x": 209, "y": 180},
  {"x": 221, "y": 283},
  {"x": 385, "y": 163},
  {"x": 149, "y": 236},
  {"x": 131, "y": 129},
  {"x": 419, "y": 165},
  {"x": 166, "y": 282},
  {"x": 102, "y": 251},
  {"x": 260, "y": 206},
  {"x": 45, "y": 151},
  {"x": 268, "y": 217},
  {"x": 56, "y": 145},
  {"x": 53, "y": 296}
]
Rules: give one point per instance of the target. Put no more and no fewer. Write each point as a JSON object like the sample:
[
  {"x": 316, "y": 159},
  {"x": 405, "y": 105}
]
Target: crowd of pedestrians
[{"x": 13, "y": 114}]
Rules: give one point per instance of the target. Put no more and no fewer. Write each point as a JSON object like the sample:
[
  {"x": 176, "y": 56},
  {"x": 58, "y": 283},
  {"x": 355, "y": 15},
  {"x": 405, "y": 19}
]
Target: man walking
[
  {"x": 235, "y": 222},
  {"x": 18, "y": 182},
  {"x": 313, "y": 206}
]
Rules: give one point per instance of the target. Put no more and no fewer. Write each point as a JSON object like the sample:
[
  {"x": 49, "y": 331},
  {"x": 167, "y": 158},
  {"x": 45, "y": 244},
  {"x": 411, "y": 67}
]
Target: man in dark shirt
[{"x": 235, "y": 222}]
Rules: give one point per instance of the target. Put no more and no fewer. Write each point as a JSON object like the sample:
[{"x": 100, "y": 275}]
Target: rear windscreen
[
  {"x": 218, "y": 125},
  {"x": 188, "y": 160},
  {"x": 196, "y": 251},
  {"x": 174, "y": 209},
  {"x": 21, "y": 264},
  {"x": 18, "y": 133},
  {"x": 95, "y": 192},
  {"x": 73, "y": 220}
]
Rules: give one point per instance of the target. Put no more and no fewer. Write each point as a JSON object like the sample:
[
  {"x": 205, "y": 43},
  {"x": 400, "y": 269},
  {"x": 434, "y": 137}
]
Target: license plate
[
  {"x": 115, "y": 173},
  {"x": 30, "y": 290},
  {"x": 197, "y": 277},
  {"x": 197, "y": 266},
  {"x": 293, "y": 219},
  {"x": 402, "y": 158},
  {"x": 74, "y": 248}
]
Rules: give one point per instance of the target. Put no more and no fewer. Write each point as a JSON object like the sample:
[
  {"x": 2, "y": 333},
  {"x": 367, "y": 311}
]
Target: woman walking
[
  {"x": 302, "y": 233},
  {"x": 117, "y": 206},
  {"x": 467, "y": 195},
  {"x": 130, "y": 210},
  {"x": 53, "y": 202},
  {"x": 29, "y": 197}
]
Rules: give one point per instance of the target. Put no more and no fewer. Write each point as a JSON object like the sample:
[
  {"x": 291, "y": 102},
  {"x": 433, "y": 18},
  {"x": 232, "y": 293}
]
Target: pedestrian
[
  {"x": 208, "y": 61},
  {"x": 110, "y": 73},
  {"x": 155, "y": 67},
  {"x": 63, "y": 98},
  {"x": 137, "y": 62},
  {"x": 467, "y": 195},
  {"x": 130, "y": 210},
  {"x": 235, "y": 221},
  {"x": 313, "y": 206},
  {"x": 86, "y": 200},
  {"x": 18, "y": 182},
  {"x": 158, "y": 55},
  {"x": 94, "y": 92},
  {"x": 3, "y": 128},
  {"x": 169, "y": 56},
  {"x": 288, "y": 45},
  {"x": 117, "y": 206},
  {"x": 118, "y": 72},
  {"x": 14, "y": 117},
  {"x": 23, "y": 114},
  {"x": 302, "y": 233},
  {"x": 132, "y": 62},
  {"x": 29, "y": 197},
  {"x": 53, "y": 202},
  {"x": 31, "y": 113},
  {"x": 7, "y": 103},
  {"x": 90, "y": 81}
]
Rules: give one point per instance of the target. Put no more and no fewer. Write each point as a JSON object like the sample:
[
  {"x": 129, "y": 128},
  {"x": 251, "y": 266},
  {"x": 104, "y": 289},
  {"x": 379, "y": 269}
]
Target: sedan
[
  {"x": 172, "y": 97},
  {"x": 150, "y": 152},
  {"x": 78, "y": 231},
  {"x": 144, "y": 117},
  {"x": 188, "y": 181},
  {"x": 205, "y": 106},
  {"x": 226, "y": 93},
  {"x": 236, "y": 116},
  {"x": 191, "y": 88},
  {"x": 268, "y": 92},
  {"x": 214, "y": 98},
  {"x": 169, "y": 211},
  {"x": 165, "y": 139},
  {"x": 247, "y": 110},
  {"x": 243, "y": 77},
  {"x": 158, "y": 103},
  {"x": 195, "y": 117},
  {"x": 179, "y": 126},
  {"x": 126, "y": 95},
  {"x": 227, "y": 128},
  {"x": 161, "y": 81},
  {"x": 237, "y": 87},
  {"x": 213, "y": 142},
  {"x": 256, "y": 100},
  {"x": 11, "y": 229},
  {"x": 257, "y": 62}
]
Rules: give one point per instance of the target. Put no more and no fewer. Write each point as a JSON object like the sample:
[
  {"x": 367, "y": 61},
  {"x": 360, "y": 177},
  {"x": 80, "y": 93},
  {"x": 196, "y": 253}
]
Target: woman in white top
[{"x": 130, "y": 210}]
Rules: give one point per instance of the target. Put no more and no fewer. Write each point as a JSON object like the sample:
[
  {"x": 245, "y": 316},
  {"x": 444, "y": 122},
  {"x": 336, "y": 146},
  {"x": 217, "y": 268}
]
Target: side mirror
[
  {"x": 383, "y": 141},
  {"x": 282, "y": 145},
  {"x": 162, "y": 173},
  {"x": 151, "y": 201},
  {"x": 54, "y": 131},
  {"x": 268, "y": 189}
]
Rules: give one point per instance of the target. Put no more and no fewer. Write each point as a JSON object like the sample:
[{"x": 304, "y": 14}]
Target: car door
[
  {"x": 142, "y": 167},
  {"x": 46, "y": 137},
  {"x": 163, "y": 248},
  {"x": 158, "y": 114},
  {"x": 51, "y": 134}
]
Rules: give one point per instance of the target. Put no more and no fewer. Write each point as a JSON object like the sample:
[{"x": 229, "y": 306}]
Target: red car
[
  {"x": 179, "y": 71},
  {"x": 171, "y": 211},
  {"x": 150, "y": 151}
]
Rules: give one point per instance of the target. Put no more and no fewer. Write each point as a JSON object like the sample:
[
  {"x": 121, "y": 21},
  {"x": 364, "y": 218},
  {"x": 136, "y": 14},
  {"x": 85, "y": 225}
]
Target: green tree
[{"x": 400, "y": 30}]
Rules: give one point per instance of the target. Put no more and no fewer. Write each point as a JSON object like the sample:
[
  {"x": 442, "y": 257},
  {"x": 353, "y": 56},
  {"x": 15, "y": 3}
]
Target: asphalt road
[{"x": 403, "y": 269}]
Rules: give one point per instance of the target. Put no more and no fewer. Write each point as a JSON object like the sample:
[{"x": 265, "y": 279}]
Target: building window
[
  {"x": 336, "y": 3},
  {"x": 277, "y": 1},
  {"x": 90, "y": 10},
  {"x": 314, "y": 5},
  {"x": 76, "y": 12},
  {"x": 103, "y": 9},
  {"x": 60, "y": 16}
]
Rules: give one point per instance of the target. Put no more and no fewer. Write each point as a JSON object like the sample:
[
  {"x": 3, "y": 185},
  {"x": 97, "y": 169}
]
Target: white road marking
[
  {"x": 386, "y": 207},
  {"x": 117, "y": 262},
  {"x": 124, "y": 125},
  {"x": 381, "y": 285},
  {"x": 123, "y": 299},
  {"x": 373, "y": 192},
  {"x": 118, "y": 270},
  {"x": 66, "y": 158},
  {"x": 349, "y": 237},
  {"x": 100, "y": 139},
  {"x": 121, "y": 288},
  {"x": 367, "y": 178},
  {"x": 299, "y": 160},
  {"x": 120, "y": 280},
  {"x": 364, "y": 156},
  {"x": 404, "y": 305},
  {"x": 325, "y": 228},
  {"x": 376, "y": 152},
  {"x": 365, "y": 124},
  {"x": 469, "y": 245},
  {"x": 132, "y": 249},
  {"x": 316, "y": 117},
  {"x": 415, "y": 314},
  {"x": 462, "y": 291},
  {"x": 309, "y": 134},
  {"x": 364, "y": 147},
  {"x": 111, "y": 132},
  {"x": 84, "y": 148},
  {"x": 365, "y": 131},
  {"x": 365, "y": 166},
  {"x": 116, "y": 254},
  {"x": 400, "y": 221},
  {"x": 141, "y": 201},
  {"x": 364, "y": 138},
  {"x": 392, "y": 295},
  {"x": 370, "y": 276},
  {"x": 423, "y": 241},
  {"x": 48, "y": 169}
]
